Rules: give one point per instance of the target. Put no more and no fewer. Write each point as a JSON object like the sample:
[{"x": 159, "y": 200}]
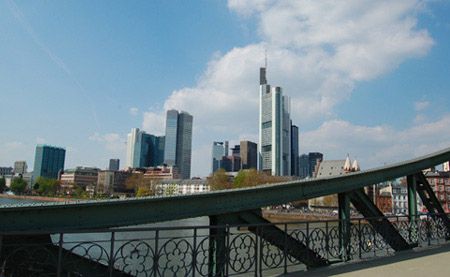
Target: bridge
[{"x": 41, "y": 237}]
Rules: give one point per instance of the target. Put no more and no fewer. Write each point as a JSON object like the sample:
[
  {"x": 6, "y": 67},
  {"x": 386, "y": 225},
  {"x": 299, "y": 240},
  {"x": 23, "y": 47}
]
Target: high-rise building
[
  {"x": 144, "y": 150},
  {"x": 308, "y": 163},
  {"x": 114, "y": 164},
  {"x": 20, "y": 167},
  {"x": 178, "y": 143},
  {"x": 218, "y": 150},
  {"x": 294, "y": 151},
  {"x": 274, "y": 153},
  {"x": 249, "y": 154},
  {"x": 48, "y": 161}
]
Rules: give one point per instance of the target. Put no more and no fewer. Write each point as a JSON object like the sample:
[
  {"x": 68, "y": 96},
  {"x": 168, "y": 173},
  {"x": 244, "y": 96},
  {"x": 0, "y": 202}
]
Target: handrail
[{"x": 115, "y": 213}]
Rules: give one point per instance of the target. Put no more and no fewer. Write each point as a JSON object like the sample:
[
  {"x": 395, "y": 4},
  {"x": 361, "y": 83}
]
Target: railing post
[
  {"x": 111, "y": 255},
  {"x": 60, "y": 254},
  {"x": 359, "y": 238},
  {"x": 256, "y": 250},
  {"x": 285, "y": 248},
  {"x": 344, "y": 224},
  {"x": 156, "y": 257},
  {"x": 307, "y": 245},
  {"x": 194, "y": 254}
]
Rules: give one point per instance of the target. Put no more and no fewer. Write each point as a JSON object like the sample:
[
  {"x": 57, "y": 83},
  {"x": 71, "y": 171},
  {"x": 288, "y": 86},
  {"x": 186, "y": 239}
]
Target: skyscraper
[
  {"x": 178, "y": 141},
  {"x": 307, "y": 163},
  {"x": 20, "y": 167},
  {"x": 144, "y": 150},
  {"x": 48, "y": 161},
  {"x": 274, "y": 152},
  {"x": 114, "y": 164},
  {"x": 294, "y": 151},
  {"x": 218, "y": 150},
  {"x": 249, "y": 154}
]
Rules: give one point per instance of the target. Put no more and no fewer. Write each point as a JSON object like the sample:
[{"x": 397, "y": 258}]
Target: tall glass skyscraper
[
  {"x": 178, "y": 141},
  {"x": 144, "y": 150},
  {"x": 294, "y": 151},
  {"x": 218, "y": 150},
  {"x": 274, "y": 148},
  {"x": 48, "y": 161}
]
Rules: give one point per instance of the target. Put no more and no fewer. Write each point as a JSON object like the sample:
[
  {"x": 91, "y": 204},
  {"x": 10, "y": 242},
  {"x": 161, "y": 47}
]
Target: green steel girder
[
  {"x": 376, "y": 218},
  {"x": 274, "y": 235},
  {"x": 430, "y": 200},
  {"x": 115, "y": 213}
]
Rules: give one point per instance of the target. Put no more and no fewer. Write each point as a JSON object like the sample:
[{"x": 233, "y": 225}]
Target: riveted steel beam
[
  {"x": 381, "y": 224},
  {"x": 115, "y": 213}
]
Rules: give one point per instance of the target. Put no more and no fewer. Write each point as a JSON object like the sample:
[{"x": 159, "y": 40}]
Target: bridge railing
[{"x": 186, "y": 251}]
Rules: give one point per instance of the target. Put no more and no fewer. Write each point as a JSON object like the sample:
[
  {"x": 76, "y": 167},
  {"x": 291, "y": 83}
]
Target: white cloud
[
  {"x": 154, "y": 122},
  {"x": 419, "y": 106},
  {"x": 113, "y": 142},
  {"x": 317, "y": 50},
  {"x": 134, "y": 111},
  {"x": 13, "y": 145},
  {"x": 376, "y": 144}
]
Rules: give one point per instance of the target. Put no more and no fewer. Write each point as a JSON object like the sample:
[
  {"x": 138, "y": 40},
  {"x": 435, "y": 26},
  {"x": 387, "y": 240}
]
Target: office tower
[
  {"x": 48, "y": 161},
  {"x": 303, "y": 165},
  {"x": 178, "y": 143},
  {"x": 218, "y": 150},
  {"x": 20, "y": 167},
  {"x": 144, "y": 150},
  {"x": 249, "y": 154},
  {"x": 231, "y": 163},
  {"x": 308, "y": 163},
  {"x": 447, "y": 166},
  {"x": 294, "y": 151},
  {"x": 114, "y": 164},
  {"x": 236, "y": 151},
  {"x": 274, "y": 129}
]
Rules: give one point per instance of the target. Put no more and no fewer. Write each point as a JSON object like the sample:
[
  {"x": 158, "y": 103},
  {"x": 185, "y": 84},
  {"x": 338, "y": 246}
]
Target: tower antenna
[{"x": 266, "y": 59}]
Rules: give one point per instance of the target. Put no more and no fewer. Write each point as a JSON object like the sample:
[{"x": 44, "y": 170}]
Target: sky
[{"x": 366, "y": 78}]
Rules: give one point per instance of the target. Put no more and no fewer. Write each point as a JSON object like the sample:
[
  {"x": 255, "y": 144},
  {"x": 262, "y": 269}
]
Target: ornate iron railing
[{"x": 188, "y": 251}]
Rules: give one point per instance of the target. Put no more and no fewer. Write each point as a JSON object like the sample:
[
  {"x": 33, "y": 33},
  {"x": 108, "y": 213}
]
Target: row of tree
[{"x": 220, "y": 180}]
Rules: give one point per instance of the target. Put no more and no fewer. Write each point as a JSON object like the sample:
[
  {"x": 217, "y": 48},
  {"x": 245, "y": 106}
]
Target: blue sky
[{"x": 369, "y": 78}]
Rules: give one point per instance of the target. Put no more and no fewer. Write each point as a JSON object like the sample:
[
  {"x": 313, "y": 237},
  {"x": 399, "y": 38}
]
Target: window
[
  {"x": 267, "y": 124},
  {"x": 267, "y": 148}
]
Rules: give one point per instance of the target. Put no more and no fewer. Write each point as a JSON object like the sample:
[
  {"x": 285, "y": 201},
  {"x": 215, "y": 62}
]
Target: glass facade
[
  {"x": 171, "y": 137},
  {"x": 294, "y": 151},
  {"x": 48, "y": 161},
  {"x": 218, "y": 150},
  {"x": 178, "y": 141},
  {"x": 275, "y": 129},
  {"x": 144, "y": 150}
]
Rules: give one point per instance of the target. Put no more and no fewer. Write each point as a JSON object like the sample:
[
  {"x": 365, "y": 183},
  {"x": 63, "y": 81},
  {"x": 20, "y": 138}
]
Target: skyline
[{"x": 365, "y": 78}]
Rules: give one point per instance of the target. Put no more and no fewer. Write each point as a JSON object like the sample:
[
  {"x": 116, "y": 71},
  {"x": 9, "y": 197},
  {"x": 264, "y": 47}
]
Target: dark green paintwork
[{"x": 114, "y": 213}]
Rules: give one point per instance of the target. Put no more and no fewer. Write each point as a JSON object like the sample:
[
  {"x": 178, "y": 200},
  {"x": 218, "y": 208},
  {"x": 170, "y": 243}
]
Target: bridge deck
[{"x": 432, "y": 261}]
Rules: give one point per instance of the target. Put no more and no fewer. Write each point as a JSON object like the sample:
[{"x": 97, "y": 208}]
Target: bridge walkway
[{"x": 431, "y": 261}]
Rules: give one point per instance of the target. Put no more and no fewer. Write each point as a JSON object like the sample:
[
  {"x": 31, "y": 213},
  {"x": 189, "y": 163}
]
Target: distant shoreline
[{"x": 40, "y": 198}]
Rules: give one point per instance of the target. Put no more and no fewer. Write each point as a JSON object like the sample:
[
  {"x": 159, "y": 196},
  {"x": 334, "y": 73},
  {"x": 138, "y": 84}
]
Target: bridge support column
[
  {"x": 217, "y": 246},
  {"x": 412, "y": 197},
  {"x": 344, "y": 224}
]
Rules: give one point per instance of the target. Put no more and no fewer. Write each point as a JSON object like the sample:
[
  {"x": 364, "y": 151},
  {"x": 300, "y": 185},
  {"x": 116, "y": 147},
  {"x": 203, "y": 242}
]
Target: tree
[
  {"x": 19, "y": 185},
  {"x": 46, "y": 186},
  {"x": 143, "y": 192},
  {"x": 239, "y": 180},
  {"x": 136, "y": 181},
  {"x": 219, "y": 180},
  {"x": 2, "y": 184}
]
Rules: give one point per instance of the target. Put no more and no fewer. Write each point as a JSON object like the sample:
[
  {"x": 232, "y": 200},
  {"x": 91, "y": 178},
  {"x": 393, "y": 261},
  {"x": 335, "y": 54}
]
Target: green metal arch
[{"x": 115, "y": 213}]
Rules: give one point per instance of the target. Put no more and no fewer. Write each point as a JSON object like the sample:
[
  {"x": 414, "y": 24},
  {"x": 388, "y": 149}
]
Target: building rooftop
[{"x": 331, "y": 168}]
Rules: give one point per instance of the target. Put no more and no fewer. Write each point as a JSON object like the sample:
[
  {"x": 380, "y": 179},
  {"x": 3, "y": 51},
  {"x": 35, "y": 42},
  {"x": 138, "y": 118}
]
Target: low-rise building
[
  {"x": 5, "y": 171},
  {"x": 440, "y": 183},
  {"x": 181, "y": 186},
  {"x": 111, "y": 182},
  {"x": 82, "y": 176}
]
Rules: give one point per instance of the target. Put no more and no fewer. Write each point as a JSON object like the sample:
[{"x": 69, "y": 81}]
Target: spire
[
  {"x": 356, "y": 165},
  {"x": 348, "y": 165}
]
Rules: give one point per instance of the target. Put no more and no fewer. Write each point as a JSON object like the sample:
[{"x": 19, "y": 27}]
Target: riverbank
[
  {"x": 39, "y": 198},
  {"x": 274, "y": 216}
]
